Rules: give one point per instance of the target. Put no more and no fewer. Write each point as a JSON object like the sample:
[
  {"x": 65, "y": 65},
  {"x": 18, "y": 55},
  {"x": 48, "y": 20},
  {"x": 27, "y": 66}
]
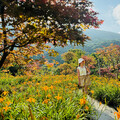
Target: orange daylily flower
[
  {"x": 1, "y": 99},
  {"x": 45, "y": 101},
  {"x": 31, "y": 100},
  {"x": 82, "y": 101},
  {"x": 45, "y": 88},
  {"x": 48, "y": 95},
  {"x": 77, "y": 116},
  {"x": 58, "y": 97},
  {"x": 118, "y": 113},
  {"x": 33, "y": 80},
  {"x": 92, "y": 91},
  {"x": 37, "y": 83},
  {"x": 100, "y": 103},
  {"x": 8, "y": 103},
  {"x": 6, "y": 108},
  {"x": 5, "y": 92},
  {"x": 86, "y": 107},
  {"x": 51, "y": 87},
  {"x": 37, "y": 90}
]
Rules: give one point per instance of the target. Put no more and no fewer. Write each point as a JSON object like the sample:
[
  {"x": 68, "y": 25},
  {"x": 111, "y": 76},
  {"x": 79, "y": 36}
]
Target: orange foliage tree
[
  {"x": 111, "y": 57},
  {"x": 27, "y": 25},
  {"x": 89, "y": 61}
]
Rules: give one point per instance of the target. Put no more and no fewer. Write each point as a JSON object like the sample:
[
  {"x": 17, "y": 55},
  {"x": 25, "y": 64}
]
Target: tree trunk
[
  {"x": 3, "y": 59},
  {"x": 5, "y": 53}
]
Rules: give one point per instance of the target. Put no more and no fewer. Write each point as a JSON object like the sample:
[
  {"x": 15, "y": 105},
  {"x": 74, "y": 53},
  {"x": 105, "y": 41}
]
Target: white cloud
[{"x": 116, "y": 13}]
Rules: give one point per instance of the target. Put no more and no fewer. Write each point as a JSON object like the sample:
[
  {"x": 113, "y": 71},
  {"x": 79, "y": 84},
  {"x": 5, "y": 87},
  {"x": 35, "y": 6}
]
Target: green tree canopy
[
  {"x": 69, "y": 57},
  {"x": 78, "y": 52},
  {"x": 65, "y": 69}
]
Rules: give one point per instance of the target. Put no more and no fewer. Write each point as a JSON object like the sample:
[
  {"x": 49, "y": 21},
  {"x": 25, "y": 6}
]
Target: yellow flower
[
  {"x": 75, "y": 85},
  {"x": 6, "y": 108},
  {"x": 5, "y": 92},
  {"x": 45, "y": 88},
  {"x": 24, "y": 83},
  {"x": 57, "y": 63},
  {"x": 37, "y": 90},
  {"x": 92, "y": 91},
  {"x": 33, "y": 80},
  {"x": 37, "y": 83},
  {"x": 21, "y": 16},
  {"x": 118, "y": 109},
  {"x": 70, "y": 92},
  {"x": 8, "y": 103},
  {"x": 73, "y": 88},
  {"x": 82, "y": 101},
  {"x": 31, "y": 100},
  {"x": 51, "y": 87},
  {"x": 1, "y": 99},
  {"x": 118, "y": 113},
  {"x": 48, "y": 95},
  {"x": 77, "y": 116},
  {"x": 58, "y": 97},
  {"x": 45, "y": 101},
  {"x": 59, "y": 81},
  {"x": 55, "y": 81},
  {"x": 100, "y": 103},
  {"x": 13, "y": 87},
  {"x": 29, "y": 82},
  {"x": 86, "y": 107}
]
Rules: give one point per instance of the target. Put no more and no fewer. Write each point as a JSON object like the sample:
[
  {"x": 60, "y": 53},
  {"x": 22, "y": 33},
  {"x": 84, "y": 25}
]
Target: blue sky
[{"x": 109, "y": 11}]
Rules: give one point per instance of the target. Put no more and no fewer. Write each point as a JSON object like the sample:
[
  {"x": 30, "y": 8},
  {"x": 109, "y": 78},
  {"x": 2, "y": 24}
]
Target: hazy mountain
[
  {"x": 99, "y": 35},
  {"x": 98, "y": 39}
]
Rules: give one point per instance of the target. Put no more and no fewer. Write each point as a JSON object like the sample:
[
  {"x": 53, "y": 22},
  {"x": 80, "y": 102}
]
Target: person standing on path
[{"x": 83, "y": 75}]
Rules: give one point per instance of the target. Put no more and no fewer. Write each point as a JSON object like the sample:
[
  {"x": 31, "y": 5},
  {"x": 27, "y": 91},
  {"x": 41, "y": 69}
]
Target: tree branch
[{"x": 10, "y": 45}]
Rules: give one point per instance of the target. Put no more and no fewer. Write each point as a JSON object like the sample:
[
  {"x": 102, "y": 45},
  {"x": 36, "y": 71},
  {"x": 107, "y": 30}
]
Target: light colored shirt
[{"x": 82, "y": 70}]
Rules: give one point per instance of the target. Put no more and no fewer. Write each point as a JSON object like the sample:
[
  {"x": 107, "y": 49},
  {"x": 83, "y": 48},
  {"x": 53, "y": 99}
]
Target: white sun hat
[{"x": 80, "y": 60}]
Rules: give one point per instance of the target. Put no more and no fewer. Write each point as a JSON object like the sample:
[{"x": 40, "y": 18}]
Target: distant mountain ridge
[
  {"x": 106, "y": 34},
  {"x": 99, "y": 35},
  {"x": 98, "y": 39}
]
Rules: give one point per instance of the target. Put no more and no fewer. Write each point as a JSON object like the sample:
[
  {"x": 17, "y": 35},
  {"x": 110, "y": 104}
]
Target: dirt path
[{"x": 104, "y": 112}]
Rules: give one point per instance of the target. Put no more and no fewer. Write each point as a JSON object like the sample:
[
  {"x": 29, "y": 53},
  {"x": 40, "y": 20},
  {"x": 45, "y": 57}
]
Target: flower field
[
  {"x": 106, "y": 90},
  {"x": 42, "y": 98},
  {"x": 53, "y": 97}
]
